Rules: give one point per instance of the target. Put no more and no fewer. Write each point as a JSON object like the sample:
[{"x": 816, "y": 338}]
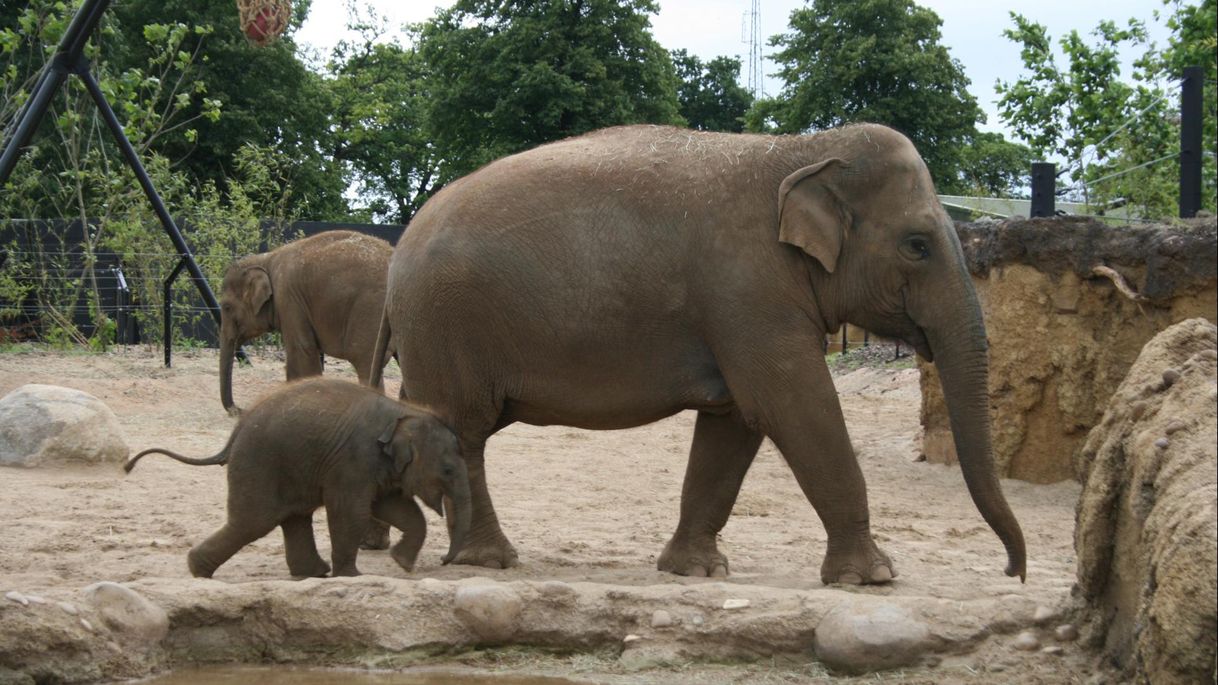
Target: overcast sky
[{"x": 972, "y": 30}]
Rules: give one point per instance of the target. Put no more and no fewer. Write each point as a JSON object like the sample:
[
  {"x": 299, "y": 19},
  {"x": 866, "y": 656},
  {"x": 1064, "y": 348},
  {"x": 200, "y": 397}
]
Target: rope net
[{"x": 263, "y": 21}]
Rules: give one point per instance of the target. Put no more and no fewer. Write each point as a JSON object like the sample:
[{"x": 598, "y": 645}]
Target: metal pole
[
  {"x": 71, "y": 46},
  {"x": 168, "y": 313},
  {"x": 1190, "y": 141},
  {"x": 1043, "y": 189}
]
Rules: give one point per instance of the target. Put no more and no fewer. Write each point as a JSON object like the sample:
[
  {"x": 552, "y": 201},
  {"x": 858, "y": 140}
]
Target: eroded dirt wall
[{"x": 1062, "y": 332}]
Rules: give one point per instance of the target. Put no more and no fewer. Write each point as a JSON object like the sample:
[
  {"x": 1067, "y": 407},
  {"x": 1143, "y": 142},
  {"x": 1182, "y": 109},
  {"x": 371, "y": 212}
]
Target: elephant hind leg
[
  {"x": 301, "y": 549},
  {"x": 205, "y": 557},
  {"x": 722, "y": 451},
  {"x": 485, "y": 545}
]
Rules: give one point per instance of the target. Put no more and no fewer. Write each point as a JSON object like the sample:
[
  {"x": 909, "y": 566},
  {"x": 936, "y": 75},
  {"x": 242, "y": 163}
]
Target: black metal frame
[{"x": 69, "y": 59}]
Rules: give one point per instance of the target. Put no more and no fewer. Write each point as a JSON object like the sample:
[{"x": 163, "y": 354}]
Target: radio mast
[{"x": 753, "y": 26}]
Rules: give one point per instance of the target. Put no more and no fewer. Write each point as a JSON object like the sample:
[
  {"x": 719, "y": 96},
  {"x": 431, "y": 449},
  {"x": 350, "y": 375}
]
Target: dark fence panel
[{"x": 23, "y": 240}]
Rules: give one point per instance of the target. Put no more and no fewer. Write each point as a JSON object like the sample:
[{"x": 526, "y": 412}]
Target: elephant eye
[{"x": 916, "y": 247}]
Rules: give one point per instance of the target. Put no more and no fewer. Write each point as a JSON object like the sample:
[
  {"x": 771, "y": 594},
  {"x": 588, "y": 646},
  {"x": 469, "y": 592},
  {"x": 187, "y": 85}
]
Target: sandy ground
[{"x": 578, "y": 505}]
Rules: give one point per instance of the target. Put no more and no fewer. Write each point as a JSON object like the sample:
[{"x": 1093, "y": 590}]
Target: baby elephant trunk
[{"x": 457, "y": 503}]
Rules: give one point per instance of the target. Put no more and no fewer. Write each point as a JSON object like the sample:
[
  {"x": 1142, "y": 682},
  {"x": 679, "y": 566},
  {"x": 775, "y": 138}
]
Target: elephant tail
[
  {"x": 218, "y": 459},
  {"x": 380, "y": 355}
]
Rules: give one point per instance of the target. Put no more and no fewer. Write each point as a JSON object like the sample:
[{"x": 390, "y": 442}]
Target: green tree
[
  {"x": 506, "y": 76},
  {"x": 847, "y": 61},
  {"x": 1119, "y": 138},
  {"x": 379, "y": 92},
  {"x": 994, "y": 166},
  {"x": 709, "y": 95},
  {"x": 268, "y": 95}
]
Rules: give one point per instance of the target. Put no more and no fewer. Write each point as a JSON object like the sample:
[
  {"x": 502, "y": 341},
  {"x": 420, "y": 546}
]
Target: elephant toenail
[
  {"x": 850, "y": 578},
  {"x": 720, "y": 571},
  {"x": 697, "y": 571},
  {"x": 881, "y": 574}
]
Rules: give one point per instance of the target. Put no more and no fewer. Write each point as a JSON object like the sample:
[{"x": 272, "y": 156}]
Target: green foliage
[
  {"x": 1105, "y": 127},
  {"x": 73, "y": 173},
  {"x": 994, "y": 166},
  {"x": 880, "y": 61},
  {"x": 504, "y": 77},
  {"x": 379, "y": 98},
  {"x": 709, "y": 95}
]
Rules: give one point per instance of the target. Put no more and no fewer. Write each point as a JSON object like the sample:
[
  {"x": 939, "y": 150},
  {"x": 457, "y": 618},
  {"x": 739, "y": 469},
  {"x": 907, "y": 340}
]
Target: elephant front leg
[
  {"x": 722, "y": 450},
  {"x": 301, "y": 549},
  {"x": 402, "y": 512},
  {"x": 810, "y": 432},
  {"x": 348, "y": 518},
  {"x": 485, "y": 545}
]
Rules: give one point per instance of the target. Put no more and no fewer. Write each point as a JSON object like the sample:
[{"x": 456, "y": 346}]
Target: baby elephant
[{"x": 325, "y": 442}]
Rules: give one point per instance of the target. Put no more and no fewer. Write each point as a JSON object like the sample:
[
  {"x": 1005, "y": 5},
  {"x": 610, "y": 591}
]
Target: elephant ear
[
  {"x": 397, "y": 448},
  {"x": 258, "y": 289},
  {"x": 812, "y": 215}
]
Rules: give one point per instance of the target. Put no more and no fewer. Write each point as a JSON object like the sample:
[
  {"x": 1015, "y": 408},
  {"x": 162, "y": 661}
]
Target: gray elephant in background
[
  {"x": 324, "y": 295},
  {"x": 327, "y": 442}
]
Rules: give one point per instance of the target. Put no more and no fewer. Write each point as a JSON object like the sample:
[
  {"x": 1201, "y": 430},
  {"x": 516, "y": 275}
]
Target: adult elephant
[
  {"x": 617, "y": 278},
  {"x": 323, "y": 293}
]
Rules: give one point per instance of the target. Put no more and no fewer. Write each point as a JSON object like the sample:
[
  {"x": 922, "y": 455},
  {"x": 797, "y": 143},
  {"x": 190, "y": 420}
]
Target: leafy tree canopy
[
  {"x": 880, "y": 61},
  {"x": 709, "y": 95},
  {"x": 1119, "y": 138},
  {"x": 506, "y": 76}
]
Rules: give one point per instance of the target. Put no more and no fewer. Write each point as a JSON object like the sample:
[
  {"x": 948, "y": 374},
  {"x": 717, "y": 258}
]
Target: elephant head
[
  {"x": 247, "y": 311},
  {"x": 426, "y": 457},
  {"x": 882, "y": 254}
]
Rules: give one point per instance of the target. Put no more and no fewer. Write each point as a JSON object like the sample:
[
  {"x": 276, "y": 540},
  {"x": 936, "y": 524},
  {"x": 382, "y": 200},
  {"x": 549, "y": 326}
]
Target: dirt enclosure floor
[{"x": 589, "y": 509}]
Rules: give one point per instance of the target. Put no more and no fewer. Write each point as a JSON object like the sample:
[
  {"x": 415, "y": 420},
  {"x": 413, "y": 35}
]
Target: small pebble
[
  {"x": 68, "y": 608},
  {"x": 1170, "y": 376},
  {"x": 1066, "y": 633},
  {"x": 735, "y": 603},
  {"x": 35, "y": 599},
  {"x": 697, "y": 620},
  {"x": 1042, "y": 614},
  {"x": 996, "y": 668},
  {"x": 87, "y": 626},
  {"x": 1026, "y": 641},
  {"x": 1175, "y": 426},
  {"x": 1054, "y": 650},
  {"x": 14, "y": 596},
  {"x": 1162, "y": 443},
  {"x": 661, "y": 619},
  {"x": 632, "y": 638}
]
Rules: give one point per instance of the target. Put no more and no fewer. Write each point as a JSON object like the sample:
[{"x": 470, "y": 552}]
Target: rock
[
  {"x": 135, "y": 621},
  {"x": 46, "y": 425},
  {"x": 8, "y": 677},
  {"x": 631, "y": 638},
  {"x": 491, "y": 611},
  {"x": 1066, "y": 633},
  {"x": 68, "y": 608},
  {"x": 1170, "y": 376},
  {"x": 1053, "y": 650},
  {"x": 1026, "y": 641},
  {"x": 1043, "y": 615},
  {"x": 14, "y": 596},
  {"x": 661, "y": 619},
  {"x": 1146, "y": 538},
  {"x": 735, "y": 603},
  {"x": 859, "y": 639}
]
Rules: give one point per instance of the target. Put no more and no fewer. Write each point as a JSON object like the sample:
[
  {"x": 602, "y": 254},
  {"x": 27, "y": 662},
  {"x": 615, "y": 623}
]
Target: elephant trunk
[
  {"x": 228, "y": 349},
  {"x": 458, "y": 503},
  {"x": 961, "y": 359}
]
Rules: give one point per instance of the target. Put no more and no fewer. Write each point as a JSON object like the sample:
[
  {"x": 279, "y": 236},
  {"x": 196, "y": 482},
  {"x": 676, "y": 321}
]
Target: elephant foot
[
  {"x": 405, "y": 554},
  {"x": 685, "y": 558},
  {"x": 199, "y": 567},
  {"x": 865, "y": 566},
  {"x": 376, "y": 536},
  {"x": 319, "y": 570},
  {"x": 492, "y": 554}
]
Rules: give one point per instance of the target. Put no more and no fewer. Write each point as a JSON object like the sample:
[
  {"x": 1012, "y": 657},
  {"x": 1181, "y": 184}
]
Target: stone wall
[{"x": 1068, "y": 305}]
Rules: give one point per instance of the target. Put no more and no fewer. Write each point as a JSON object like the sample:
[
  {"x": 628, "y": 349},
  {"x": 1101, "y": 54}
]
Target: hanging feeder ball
[{"x": 262, "y": 21}]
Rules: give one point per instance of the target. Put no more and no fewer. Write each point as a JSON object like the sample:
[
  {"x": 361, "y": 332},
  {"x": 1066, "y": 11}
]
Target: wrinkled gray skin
[
  {"x": 324, "y": 442},
  {"x": 323, "y": 294},
  {"x": 613, "y": 279}
]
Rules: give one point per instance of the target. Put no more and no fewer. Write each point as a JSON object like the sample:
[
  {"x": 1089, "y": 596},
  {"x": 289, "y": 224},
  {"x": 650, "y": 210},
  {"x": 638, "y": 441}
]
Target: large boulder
[
  {"x": 46, "y": 425},
  {"x": 1147, "y": 533}
]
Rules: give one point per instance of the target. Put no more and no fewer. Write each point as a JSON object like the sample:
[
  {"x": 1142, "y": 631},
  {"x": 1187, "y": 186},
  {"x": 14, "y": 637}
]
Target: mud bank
[{"x": 1069, "y": 304}]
